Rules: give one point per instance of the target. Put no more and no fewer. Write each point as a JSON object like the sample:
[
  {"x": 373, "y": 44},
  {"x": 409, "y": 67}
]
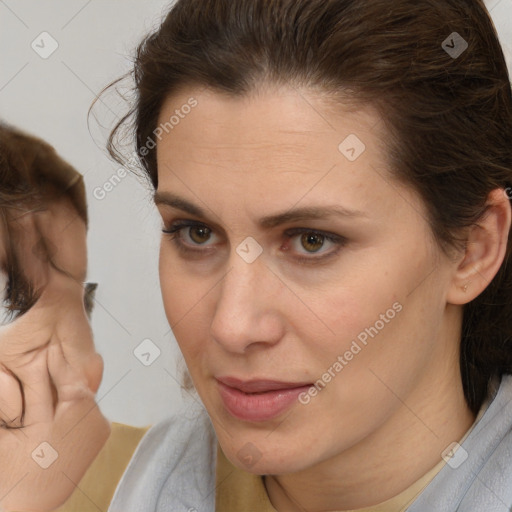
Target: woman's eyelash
[
  {"x": 178, "y": 226},
  {"x": 174, "y": 234}
]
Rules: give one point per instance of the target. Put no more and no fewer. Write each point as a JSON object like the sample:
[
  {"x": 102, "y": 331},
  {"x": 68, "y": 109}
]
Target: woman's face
[{"x": 299, "y": 260}]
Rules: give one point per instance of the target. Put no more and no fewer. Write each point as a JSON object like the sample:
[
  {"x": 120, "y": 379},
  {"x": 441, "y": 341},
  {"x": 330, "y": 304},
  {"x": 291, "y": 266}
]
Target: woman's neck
[{"x": 387, "y": 462}]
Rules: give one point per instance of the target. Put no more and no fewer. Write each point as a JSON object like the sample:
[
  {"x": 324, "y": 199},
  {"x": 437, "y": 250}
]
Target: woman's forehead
[{"x": 270, "y": 135}]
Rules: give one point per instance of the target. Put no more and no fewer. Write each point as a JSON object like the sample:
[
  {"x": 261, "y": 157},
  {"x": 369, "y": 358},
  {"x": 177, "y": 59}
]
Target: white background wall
[{"x": 50, "y": 98}]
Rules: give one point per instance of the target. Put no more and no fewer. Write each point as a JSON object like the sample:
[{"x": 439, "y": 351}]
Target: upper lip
[{"x": 259, "y": 385}]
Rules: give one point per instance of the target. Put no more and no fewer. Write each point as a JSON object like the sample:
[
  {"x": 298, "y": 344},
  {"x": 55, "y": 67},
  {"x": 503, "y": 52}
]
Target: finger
[
  {"x": 38, "y": 389},
  {"x": 74, "y": 330},
  {"x": 80, "y": 357},
  {"x": 69, "y": 380},
  {"x": 11, "y": 399},
  {"x": 94, "y": 372},
  {"x": 59, "y": 305},
  {"x": 24, "y": 335}
]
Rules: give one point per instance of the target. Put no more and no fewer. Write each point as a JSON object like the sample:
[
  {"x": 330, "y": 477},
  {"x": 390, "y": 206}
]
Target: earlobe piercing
[{"x": 465, "y": 288}]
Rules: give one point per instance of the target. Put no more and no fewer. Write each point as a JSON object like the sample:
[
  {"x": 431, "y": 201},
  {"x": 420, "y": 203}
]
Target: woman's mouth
[{"x": 258, "y": 400}]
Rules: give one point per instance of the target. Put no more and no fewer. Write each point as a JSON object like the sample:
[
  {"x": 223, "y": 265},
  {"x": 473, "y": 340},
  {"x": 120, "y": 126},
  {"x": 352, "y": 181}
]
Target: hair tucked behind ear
[{"x": 449, "y": 115}]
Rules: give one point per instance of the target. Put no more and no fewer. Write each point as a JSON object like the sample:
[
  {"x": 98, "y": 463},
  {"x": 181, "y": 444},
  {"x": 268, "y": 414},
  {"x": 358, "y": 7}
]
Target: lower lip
[{"x": 258, "y": 406}]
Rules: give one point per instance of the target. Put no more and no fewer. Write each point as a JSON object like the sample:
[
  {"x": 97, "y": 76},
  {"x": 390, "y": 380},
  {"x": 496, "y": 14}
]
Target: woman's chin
[{"x": 259, "y": 456}]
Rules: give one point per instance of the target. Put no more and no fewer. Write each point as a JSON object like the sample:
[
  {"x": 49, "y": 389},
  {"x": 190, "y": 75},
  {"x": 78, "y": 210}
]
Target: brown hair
[
  {"x": 32, "y": 175},
  {"x": 449, "y": 116}
]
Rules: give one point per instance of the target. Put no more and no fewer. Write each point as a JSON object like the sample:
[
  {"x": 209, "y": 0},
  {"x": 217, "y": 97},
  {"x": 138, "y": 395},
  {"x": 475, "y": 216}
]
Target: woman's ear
[{"x": 485, "y": 250}]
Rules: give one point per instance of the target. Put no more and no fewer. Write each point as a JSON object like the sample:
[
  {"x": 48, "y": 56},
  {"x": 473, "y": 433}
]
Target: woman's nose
[{"x": 248, "y": 308}]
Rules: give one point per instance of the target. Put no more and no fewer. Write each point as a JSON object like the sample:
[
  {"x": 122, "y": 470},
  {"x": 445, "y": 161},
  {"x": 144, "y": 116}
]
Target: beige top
[
  {"x": 240, "y": 491},
  {"x": 237, "y": 490},
  {"x": 96, "y": 488}
]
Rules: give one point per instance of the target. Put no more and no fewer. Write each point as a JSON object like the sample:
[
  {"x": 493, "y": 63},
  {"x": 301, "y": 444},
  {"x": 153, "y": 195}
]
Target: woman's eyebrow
[{"x": 271, "y": 221}]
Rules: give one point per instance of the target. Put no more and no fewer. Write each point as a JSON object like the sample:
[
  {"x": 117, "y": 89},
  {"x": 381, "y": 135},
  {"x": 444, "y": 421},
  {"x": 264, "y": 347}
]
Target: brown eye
[
  {"x": 199, "y": 234},
  {"x": 191, "y": 236},
  {"x": 312, "y": 246},
  {"x": 312, "y": 242}
]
